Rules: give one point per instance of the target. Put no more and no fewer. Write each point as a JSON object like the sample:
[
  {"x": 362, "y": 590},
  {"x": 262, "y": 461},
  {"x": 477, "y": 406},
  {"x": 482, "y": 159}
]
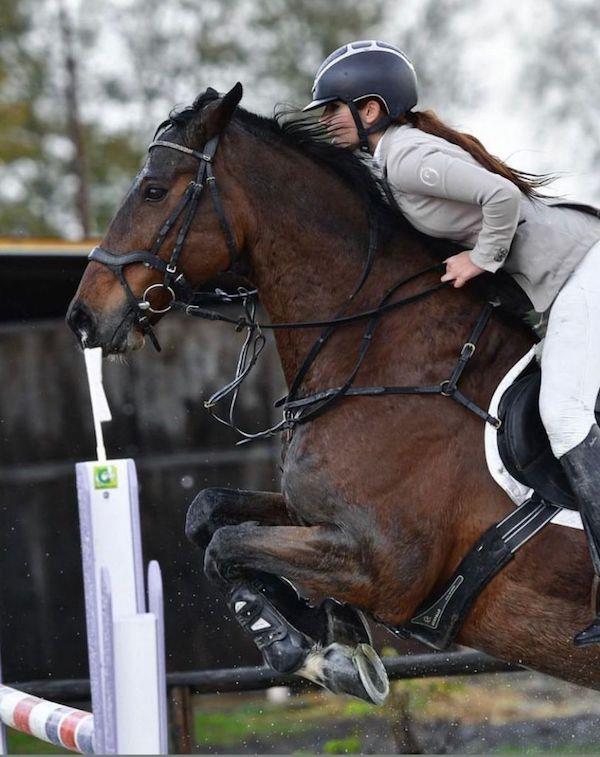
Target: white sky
[{"x": 496, "y": 35}]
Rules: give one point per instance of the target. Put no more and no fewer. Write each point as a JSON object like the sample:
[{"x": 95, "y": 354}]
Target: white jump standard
[{"x": 125, "y": 631}]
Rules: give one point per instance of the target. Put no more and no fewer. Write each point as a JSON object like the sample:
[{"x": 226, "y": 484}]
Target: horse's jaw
[
  {"x": 134, "y": 340},
  {"x": 120, "y": 341}
]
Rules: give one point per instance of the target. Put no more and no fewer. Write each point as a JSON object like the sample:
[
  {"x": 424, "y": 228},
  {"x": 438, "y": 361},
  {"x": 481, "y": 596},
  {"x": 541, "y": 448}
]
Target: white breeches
[{"x": 570, "y": 357}]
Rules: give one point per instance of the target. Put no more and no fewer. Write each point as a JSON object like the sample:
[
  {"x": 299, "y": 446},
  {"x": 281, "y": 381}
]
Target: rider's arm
[{"x": 426, "y": 170}]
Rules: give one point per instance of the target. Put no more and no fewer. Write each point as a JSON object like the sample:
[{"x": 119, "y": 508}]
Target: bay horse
[{"x": 381, "y": 497}]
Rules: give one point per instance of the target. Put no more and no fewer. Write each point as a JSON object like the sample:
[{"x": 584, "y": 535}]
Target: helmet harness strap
[{"x": 363, "y": 133}]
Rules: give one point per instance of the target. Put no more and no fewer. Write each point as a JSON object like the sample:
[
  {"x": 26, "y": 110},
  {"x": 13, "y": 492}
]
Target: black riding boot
[{"x": 582, "y": 466}]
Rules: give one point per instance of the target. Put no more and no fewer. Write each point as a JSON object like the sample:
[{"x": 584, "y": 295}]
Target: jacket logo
[{"x": 429, "y": 176}]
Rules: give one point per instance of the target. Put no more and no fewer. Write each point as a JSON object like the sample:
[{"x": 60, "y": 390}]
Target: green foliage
[
  {"x": 238, "y": 723},
  {"x": 349, "y": 745},
  {"x": 422, "y": 691},
  {"x": 21, "y": 743},
  {"x": 22, "y": 80},
  {"x": 164, "y": 55},
  {"x": 113, "y": 161},
  {"x": 562, "y": 66},
  {"x": 356, "y": 708},
  {"x": 298, "y": 36}
]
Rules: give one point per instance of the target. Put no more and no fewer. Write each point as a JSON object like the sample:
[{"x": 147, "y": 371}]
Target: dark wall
[
  {"x": 156, "y": 400},
  {"x": 38, "y": 286}
]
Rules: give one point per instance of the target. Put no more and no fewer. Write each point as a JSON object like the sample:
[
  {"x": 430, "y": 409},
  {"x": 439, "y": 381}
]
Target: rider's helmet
[{"x": 367, "y": 68}]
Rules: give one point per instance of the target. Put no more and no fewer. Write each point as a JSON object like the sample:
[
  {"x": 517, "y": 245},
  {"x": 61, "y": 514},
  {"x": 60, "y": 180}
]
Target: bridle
[
  {"x": 174, "y": 283},
  {"x": 297, "y": 409}
]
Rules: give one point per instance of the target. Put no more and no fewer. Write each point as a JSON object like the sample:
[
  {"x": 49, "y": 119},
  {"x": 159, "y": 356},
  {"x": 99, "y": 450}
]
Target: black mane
[
  {"x": 293, "y": 130},
  {"x": 290, "y": 128}
]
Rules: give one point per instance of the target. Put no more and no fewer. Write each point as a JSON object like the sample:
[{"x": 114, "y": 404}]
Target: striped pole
[{"x": 63, "y": 726}]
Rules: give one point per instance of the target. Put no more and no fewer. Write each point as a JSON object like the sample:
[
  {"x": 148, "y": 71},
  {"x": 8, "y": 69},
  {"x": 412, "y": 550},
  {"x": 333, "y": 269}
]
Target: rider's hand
[{"x": 460, "y": 269}]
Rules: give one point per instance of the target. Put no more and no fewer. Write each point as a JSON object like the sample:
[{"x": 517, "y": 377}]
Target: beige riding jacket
[{"x": 444, "y": 192}]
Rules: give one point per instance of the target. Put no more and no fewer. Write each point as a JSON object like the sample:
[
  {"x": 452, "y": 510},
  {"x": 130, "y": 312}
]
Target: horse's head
[{"x": 173, "y": 207}]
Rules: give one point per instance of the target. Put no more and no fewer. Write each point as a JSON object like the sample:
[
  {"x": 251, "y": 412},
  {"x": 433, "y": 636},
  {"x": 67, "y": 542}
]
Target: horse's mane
[{"x": 308, "y": 137}]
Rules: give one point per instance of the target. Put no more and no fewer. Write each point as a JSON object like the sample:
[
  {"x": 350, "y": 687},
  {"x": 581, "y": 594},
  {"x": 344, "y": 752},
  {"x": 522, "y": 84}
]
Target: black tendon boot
[
  {"x": 582, "y": 466},
  {"x": 329, "y": 644},
  {"x": 280, "y": 622}
]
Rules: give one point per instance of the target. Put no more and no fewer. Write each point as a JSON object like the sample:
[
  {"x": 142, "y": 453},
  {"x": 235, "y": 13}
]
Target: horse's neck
[{"x": 310, "y": 252}]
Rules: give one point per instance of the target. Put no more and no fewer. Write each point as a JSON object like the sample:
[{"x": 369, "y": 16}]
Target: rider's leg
[{"x": 570, "y": 385}]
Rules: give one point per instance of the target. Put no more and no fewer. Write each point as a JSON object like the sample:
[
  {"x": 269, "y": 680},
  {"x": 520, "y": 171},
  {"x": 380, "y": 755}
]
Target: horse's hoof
[{"x": 356, "y": 671}]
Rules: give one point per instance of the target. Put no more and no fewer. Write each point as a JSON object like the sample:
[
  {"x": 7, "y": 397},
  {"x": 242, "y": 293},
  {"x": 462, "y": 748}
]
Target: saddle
[{"x": 523, "y": 443}]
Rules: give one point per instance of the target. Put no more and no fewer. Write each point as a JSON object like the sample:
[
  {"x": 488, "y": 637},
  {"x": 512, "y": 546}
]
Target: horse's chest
[{"x": 309, "y": 485}]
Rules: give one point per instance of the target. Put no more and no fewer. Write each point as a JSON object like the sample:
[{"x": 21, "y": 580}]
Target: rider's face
[{"x": 339, "y": 123}]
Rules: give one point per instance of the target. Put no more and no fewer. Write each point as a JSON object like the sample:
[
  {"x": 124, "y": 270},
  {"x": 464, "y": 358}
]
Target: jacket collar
[{"x": 386, "y": 141}]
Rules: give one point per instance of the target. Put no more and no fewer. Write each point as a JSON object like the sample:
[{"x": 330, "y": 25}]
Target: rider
[{"x": 449, "y": 186}]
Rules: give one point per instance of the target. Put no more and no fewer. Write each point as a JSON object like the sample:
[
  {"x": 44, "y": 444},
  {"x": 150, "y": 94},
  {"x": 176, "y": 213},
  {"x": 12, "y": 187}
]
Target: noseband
[{"x": 174, "y": 282}]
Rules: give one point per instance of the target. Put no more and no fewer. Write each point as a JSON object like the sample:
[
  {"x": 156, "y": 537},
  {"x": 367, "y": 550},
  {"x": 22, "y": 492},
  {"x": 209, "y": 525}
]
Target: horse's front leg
[
  {"x": 266, "y": 596},
  {"x": 216, "y": 507},
  {"x": 323, "y": 560},
  {"x": 285, "y": 627}
]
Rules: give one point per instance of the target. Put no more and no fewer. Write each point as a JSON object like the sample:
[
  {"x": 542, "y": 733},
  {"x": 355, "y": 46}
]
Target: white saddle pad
[{"x": 515, "y": 490}]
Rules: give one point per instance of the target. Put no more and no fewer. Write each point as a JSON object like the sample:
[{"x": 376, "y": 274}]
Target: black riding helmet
[{"x": 367, "y": 68}]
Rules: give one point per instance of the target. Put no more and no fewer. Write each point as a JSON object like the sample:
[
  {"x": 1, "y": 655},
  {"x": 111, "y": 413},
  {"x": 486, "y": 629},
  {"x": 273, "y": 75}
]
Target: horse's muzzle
[
  {"x": 83, "y": 323},
  {"x": 115, "y": 334}
]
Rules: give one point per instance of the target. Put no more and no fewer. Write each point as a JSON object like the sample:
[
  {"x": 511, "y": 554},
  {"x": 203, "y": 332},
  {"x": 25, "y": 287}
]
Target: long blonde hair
[{"x": 428, "y": 121}]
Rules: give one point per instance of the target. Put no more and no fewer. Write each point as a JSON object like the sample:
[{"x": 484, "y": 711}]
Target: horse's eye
[{"x": 152, "y": 194}]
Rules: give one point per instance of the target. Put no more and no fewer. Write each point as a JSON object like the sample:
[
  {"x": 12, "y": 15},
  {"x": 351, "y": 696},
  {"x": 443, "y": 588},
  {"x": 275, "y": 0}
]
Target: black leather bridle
[
  {"x": 297, "y": 409},
  {"x": 174, "y": 282}
]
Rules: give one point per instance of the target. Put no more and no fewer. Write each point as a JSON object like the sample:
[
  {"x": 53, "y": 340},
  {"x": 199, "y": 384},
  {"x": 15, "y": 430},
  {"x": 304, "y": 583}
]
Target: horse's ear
[{"x": 218, "y": 114}]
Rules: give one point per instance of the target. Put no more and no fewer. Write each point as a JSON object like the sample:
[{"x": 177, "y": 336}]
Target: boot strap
[{"x": 259, "y": 620}]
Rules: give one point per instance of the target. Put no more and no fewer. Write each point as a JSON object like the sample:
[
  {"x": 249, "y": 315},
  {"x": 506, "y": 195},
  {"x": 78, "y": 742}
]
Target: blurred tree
[
  {"x": 48, "y": 152},
  {"x": 437, "y": 39},
  {"x": 560, "y": 73},
  {"x": 22, "y": 79},
  {"x": 161, "y": 55},
  {"x": 74, "y": 127},
  {"x": 84, "y": 111},
  {"x": 289, "y": 40}
]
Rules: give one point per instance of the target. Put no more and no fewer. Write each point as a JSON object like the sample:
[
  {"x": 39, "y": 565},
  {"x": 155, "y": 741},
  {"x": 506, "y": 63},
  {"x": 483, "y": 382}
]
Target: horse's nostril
[{"x": 82, "y": 323}]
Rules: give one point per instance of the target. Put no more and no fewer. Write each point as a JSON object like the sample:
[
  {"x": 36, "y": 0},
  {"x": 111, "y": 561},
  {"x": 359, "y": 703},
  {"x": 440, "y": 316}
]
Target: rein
[
  {"x": 244, "y": 322},
  {"x": 296, "y": 409}
]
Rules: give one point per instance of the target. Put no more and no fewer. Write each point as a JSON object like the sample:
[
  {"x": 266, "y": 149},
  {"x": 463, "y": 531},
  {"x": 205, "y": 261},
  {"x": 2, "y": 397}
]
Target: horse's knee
[
  {"x": 200, "y": 520},
  {"x": 223, "y": 550}
]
